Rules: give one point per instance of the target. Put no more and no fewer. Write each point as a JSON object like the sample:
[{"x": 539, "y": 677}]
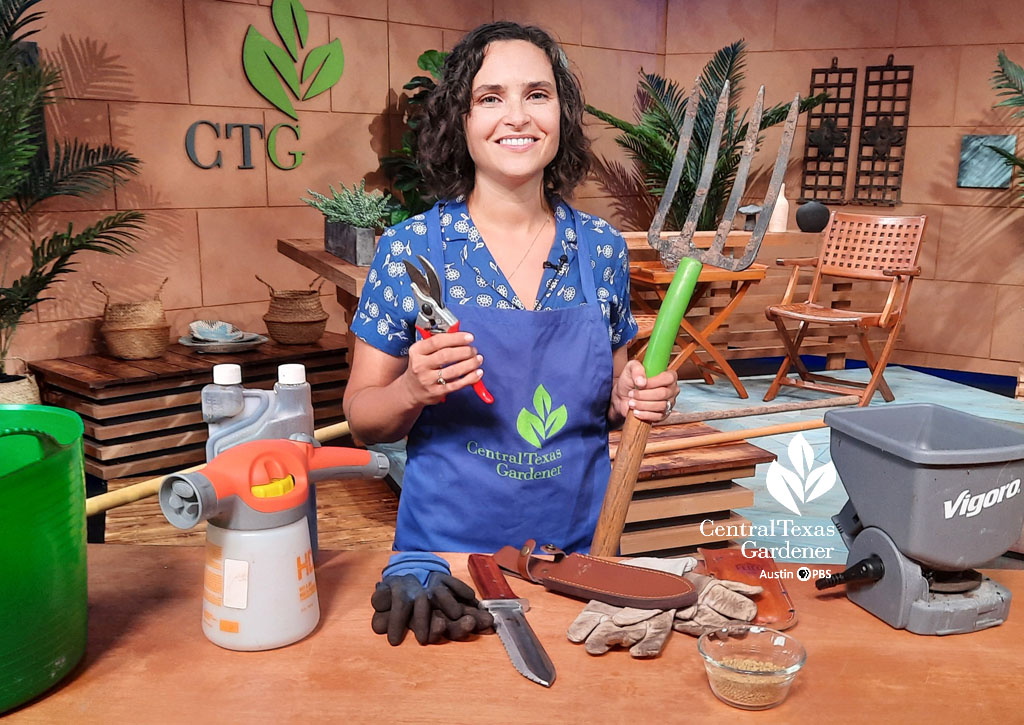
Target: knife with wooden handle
[{"x": 497, "y": 597}]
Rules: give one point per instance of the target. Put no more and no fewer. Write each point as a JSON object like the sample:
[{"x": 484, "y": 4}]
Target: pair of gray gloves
[{"x": 719, "y": 602}]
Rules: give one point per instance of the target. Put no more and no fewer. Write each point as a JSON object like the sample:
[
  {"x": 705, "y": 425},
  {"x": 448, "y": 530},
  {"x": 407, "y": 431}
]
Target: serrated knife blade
[{"x": 520, "y": 641}]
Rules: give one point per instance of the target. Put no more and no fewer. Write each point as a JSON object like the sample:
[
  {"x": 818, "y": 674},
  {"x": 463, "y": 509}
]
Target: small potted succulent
[{"x": 352, "y": 218}]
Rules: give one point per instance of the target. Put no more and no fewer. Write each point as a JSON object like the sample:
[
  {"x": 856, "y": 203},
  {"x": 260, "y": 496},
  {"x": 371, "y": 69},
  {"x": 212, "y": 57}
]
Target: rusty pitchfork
[{"x": 680, "y": 253}]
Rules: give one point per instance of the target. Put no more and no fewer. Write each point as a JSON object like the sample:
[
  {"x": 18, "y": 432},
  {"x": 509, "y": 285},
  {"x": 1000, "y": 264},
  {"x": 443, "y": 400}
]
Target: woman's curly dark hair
[{"x": 443, "y": 155}]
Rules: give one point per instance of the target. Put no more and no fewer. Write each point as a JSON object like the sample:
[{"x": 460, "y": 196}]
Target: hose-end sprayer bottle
[
  {"x": 237, "y": 415},
  {"x": 259, "y": 587}
]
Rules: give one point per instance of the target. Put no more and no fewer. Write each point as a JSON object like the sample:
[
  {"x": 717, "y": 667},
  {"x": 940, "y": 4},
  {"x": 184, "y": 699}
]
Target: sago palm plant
[
  {"x": 30, "y": 174},
  {"x": 402, "y": 168},
  {"x": 1008, "y": 80},
  {"x": 652, "y": 139}
]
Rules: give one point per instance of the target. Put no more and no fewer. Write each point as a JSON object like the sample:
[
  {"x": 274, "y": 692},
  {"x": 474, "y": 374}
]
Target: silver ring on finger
[
  {"x": 440, "y": 379},
  {"x": 668, "y": 406}
]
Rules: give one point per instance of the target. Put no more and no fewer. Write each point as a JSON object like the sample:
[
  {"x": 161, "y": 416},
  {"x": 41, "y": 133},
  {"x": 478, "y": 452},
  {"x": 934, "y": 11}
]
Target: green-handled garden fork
[{"x": 680, "y": 253}]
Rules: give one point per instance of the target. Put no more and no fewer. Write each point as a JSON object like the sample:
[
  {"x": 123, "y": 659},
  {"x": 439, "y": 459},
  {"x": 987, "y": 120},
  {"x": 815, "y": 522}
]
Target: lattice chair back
[{"x": 865, "y": 246}]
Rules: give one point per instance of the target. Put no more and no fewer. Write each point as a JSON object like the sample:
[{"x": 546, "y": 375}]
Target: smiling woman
[
  {"x": 540, "y": 292},
  {"x": 512, "y": 128}
]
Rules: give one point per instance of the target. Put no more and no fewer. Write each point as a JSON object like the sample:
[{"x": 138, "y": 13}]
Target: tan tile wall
[
  {"x": 139, "y": 72},
  {"x": 967, "y": 310}
]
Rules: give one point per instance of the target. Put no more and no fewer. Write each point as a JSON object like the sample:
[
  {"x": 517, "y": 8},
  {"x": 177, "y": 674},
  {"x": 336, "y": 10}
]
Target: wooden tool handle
[
  {"x": 620, "y": 487},
  {"x": 151, "y": 487},
  {"x": 490, "y": 581},
  {"x": 728, "y": 436}
]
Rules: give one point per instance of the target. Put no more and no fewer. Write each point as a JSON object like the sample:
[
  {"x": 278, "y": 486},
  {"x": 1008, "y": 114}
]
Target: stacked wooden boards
[
  {"x": 685, "y": 499},
  {"x": 144, "y": 416}
]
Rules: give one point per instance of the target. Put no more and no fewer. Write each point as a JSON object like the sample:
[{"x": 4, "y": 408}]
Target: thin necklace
[{"x": 528, "y": 249}]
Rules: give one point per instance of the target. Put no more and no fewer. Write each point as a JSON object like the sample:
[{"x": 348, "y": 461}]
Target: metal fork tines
[{"x": 674, "y": 248}]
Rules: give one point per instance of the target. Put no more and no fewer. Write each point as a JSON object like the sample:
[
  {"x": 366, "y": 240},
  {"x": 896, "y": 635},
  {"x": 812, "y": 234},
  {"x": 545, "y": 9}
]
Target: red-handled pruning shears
[{"x": 433, "y": 316}]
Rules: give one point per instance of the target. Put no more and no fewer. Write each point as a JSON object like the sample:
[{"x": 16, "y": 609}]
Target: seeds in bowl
[{"x": 746, "y": 688}]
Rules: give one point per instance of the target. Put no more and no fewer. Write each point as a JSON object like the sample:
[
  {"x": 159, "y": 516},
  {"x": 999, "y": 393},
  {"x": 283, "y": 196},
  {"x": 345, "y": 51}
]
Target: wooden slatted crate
[{"x": 677, "y": 491}]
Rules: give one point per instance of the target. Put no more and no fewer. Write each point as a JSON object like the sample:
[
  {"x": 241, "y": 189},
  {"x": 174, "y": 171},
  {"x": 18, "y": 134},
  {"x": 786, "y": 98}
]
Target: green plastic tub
[{"x": 43, "y": 584}]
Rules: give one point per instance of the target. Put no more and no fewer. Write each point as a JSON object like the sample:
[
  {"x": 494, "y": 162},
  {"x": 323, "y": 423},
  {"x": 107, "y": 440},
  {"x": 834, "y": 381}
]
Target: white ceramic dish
[{"x": 223, "y": 347}]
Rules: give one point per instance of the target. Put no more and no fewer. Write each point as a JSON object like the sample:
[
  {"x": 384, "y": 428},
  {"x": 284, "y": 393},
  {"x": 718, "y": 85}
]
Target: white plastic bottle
[
  {"x": 259, "y": 588},
  {"x": 779, "y": 221}
]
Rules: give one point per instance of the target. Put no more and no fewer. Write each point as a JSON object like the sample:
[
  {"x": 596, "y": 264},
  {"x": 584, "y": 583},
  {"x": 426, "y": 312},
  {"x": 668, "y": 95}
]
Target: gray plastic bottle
[
  {"x": 284, "y": 412},
  {"x": 223, "y": 398}
]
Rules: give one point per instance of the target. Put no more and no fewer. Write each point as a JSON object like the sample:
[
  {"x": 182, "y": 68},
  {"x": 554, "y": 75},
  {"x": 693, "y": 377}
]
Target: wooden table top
[
  {"x": 148, "y": 661},
  {"x": 654, "y": 272},
  {"x": 704, "y": 459},
  {"x": 96, "y": 372},
  {"x": 637, "y": 241},
  {"x": 310, "y": 253}
]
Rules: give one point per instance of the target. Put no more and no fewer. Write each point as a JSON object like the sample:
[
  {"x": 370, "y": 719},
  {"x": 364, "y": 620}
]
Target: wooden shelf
[{"x": 143, "y": 416}]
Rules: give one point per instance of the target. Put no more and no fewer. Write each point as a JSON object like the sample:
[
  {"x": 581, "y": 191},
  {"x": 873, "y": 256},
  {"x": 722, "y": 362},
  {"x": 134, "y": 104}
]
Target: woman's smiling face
[{"x": 512, "y": 128}]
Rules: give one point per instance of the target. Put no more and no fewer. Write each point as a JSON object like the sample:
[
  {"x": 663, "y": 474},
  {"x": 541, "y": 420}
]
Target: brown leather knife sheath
[{"x": 587, "y": 577}]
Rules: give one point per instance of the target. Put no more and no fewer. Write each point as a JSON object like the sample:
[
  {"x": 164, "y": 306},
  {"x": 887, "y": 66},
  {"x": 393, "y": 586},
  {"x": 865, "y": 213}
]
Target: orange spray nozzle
[{"x": 268, "y": 477}]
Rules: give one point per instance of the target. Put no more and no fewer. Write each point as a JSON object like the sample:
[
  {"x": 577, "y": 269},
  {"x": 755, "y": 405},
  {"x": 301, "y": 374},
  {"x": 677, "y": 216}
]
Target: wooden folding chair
[{"x": 855, "y": 247}]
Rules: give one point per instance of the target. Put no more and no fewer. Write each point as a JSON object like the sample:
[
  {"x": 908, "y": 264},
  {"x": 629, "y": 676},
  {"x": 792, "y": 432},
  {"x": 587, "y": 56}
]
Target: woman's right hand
[{"x": 440, "y": 365}]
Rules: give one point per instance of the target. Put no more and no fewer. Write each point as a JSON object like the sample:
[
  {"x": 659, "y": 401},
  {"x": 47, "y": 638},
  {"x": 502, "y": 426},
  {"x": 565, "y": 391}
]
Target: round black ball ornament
[{"x": 812, "y": 216}]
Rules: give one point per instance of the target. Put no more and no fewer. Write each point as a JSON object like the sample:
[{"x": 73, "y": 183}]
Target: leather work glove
[
  {"x": 719, "y": 602},
  {"x": 601, "y": 626},
  {"x": 418, "y": 592}
]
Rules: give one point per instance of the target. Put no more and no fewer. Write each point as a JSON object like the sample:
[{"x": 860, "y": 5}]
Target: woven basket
[
  {"x": 20, "y": 392},
  {"x": 135, "y": 330},
  {"x": 142, "y": 343},
  {"x": 132, "y": 315},
  {"x": 295, "y": 317}
]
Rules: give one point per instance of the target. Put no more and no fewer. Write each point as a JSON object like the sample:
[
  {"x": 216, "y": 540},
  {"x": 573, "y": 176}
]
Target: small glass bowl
[{"x": 750, "y": 666}]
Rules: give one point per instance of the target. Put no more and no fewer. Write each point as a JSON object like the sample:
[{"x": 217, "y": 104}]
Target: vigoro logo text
[
  {"x": 274, "y": 71},
  {"x": 967, "y": 505}
]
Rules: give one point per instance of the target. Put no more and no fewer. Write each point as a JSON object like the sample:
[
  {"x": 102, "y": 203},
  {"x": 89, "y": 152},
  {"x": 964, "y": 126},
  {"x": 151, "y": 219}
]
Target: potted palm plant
[
  {"x": 30, "y": 173},
  {"x": 1008, "y": 80},
  {"x": 402, "y": 167},
  {"x": 352, "y": 218},
  {"x": 652, "y": 139}
]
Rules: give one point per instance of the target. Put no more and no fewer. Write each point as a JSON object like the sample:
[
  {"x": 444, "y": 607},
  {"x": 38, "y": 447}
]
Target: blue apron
[{"x": 534, "y": 464}]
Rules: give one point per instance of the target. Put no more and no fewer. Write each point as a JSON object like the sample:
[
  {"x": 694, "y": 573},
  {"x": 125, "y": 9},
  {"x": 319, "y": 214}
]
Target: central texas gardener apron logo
[
  {"x": 535, "y": 428},
  {"x": 273, "y": 70}
]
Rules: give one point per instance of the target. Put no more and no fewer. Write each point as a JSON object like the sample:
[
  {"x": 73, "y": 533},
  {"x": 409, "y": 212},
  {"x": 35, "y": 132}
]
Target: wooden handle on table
[
  {"x": 728, "y": 436},
  {"x": 620, "y": 487},
  {"x": 129, "y": 494},
  {"x": 151, "y": 487},
  {"x": 488, "y": 577}
]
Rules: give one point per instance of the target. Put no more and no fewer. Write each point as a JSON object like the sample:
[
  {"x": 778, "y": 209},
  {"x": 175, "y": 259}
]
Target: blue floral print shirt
[{"x": 387, "y": 310}]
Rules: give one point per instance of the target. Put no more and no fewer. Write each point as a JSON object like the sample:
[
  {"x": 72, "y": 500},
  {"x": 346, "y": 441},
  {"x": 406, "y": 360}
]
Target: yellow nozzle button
[{"x": 276, "y": 487}]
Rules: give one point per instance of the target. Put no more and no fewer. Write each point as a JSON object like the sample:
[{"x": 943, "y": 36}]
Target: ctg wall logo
[{"x": 282, "y": 74}]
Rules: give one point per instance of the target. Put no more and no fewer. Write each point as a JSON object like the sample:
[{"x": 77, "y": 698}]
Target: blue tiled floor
[{"x": 908, "y": 386}]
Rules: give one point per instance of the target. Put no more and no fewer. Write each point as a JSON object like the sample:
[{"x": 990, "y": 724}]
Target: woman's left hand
[{"x": 650, "y": 399}]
